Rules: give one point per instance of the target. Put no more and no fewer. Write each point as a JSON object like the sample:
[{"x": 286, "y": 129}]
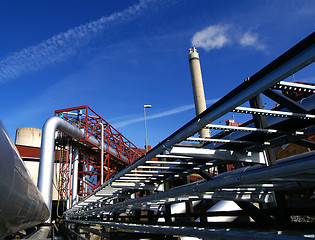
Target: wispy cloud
[
  {"x": 65, "y": 44},
  {"x": 251, "y": 39},
  {"x": 221, "y": 35},
  {"x": 161, "y": 114}
]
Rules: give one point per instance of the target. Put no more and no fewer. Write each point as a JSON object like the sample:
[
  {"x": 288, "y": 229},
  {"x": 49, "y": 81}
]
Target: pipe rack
[{"x": 144, "y": 185}]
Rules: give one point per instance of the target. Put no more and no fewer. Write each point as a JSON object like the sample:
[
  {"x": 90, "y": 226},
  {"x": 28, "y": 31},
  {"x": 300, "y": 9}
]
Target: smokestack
[{"x": 197, "y": 84}]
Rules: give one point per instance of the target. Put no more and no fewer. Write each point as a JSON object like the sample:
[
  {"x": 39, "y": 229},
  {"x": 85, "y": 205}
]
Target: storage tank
[
  {"x": 28, "y": 136},
  {"x": 31, "y": 138}
]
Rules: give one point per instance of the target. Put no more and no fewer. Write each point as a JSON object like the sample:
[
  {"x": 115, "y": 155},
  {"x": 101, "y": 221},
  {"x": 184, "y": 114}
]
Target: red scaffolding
[{"x": 89, "y": 174}]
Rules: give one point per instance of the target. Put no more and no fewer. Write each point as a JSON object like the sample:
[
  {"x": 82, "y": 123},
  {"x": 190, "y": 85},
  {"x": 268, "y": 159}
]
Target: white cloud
[
  {"x": 212, "y": 37},
  {"x": 62, "y": 45},
  {"x": 161, "y": 114},
  {"x": 221, "y": 35},
  {"x": 248, "y": 39},
  {"x": 251, "y": 39}
]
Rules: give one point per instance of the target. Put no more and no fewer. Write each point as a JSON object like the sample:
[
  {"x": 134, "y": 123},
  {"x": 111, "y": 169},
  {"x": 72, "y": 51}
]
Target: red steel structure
[
  {"x": 64, "y": 171},
  {"x": 89, "y": 175}
]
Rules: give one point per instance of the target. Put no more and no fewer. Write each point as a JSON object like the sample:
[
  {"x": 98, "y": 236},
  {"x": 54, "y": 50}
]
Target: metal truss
[
  {"x": 118, "y": 151},
  {"x": 90, "y": 123},
  {"x": 184, "y": 183},
  {"x": 64, "y": 172}
]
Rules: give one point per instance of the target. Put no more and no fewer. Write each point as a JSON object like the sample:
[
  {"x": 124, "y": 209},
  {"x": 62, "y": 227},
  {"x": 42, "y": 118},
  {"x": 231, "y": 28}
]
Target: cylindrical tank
[
  {"x": 28, "y": 137},
  {"x": 197, "y": 84},
  {"x": 21, "y": 204}
]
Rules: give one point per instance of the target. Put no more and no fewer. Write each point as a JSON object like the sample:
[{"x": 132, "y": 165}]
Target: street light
[{"x": 145, "y": 126}]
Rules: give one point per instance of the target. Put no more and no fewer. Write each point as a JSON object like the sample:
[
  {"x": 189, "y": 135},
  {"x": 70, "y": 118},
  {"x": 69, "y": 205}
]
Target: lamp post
[{"x": 145, "y": 127}]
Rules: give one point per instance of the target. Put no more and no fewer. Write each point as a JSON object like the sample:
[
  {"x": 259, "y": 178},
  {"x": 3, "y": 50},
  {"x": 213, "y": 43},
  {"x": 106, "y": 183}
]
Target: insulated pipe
[
  {"x": 21, "y": 204},
  {"x": 221, "y": 206},
  {"x": 197, "y": 84},
  {"x": 289, "y": 166},
  {"x": 179, "y": 208},
  {"x": 84, "y": 176},
  {"x": 47, "y": 153},
  {"x": 69, "y": 175},
  {"x": 75, "y": 176},
  {"x": 41, "y": 233},
  {"x": 209, "y": 233},
  {"x": 102, "y": 153}
]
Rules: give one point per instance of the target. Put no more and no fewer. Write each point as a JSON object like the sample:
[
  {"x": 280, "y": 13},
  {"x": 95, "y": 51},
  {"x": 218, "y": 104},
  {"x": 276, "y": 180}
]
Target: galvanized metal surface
[
  {"x": 21, "y": 204},
  {"x": 201, "y": 232}
]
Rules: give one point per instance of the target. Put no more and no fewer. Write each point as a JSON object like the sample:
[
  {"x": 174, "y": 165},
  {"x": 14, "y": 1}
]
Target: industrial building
[{"x": 79, "y": 178}]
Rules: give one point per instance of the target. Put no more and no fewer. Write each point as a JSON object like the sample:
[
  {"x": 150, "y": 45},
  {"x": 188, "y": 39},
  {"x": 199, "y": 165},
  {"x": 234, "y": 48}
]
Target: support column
[
  {"x": 75, "y": 175},
  {"x": 69, "y": 175},
  {"x": 261, "y": 122}
]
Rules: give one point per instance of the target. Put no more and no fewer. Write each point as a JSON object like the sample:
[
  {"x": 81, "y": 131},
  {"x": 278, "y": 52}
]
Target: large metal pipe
[
  {"x": 197, "y": 84},
  {"x": 47, "y": 154},
  {"x": 21, "y": 204}
]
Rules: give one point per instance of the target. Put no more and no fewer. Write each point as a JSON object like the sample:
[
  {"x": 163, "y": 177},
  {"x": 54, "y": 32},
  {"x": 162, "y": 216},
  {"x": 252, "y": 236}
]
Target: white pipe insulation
[
  {"x": 102, "y": 153},
  {"x": 47, "y": 153},
  {"x": 21, "y": 204},
  {"x": 75, "y": 176},
  {"x": 220, "y": 206}
]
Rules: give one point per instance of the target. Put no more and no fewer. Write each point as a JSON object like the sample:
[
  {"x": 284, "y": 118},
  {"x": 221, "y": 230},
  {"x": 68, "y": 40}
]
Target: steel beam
[
  {"x": 224, "y": 155},
  {"x": 285, "y": 102},
  {"x": 290, "y": 62},
  {"x": 273, "y": 113},
  {"x": 297, "y": 87},
  {"x": 251, "y": 129}
]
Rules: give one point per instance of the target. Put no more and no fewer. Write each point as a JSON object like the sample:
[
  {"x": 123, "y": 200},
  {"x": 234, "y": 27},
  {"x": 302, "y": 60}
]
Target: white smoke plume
[
  {"x": 221, "y": 35},
  {"x": 212, "y": 37}
]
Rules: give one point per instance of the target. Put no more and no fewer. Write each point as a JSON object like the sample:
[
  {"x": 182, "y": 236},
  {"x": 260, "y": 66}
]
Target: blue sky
[{"x": 116, "y": 56}]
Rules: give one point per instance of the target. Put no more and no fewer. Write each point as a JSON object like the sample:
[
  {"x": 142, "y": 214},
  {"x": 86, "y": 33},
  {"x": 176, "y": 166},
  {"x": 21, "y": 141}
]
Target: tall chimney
[{"x": 196, "y": 80}]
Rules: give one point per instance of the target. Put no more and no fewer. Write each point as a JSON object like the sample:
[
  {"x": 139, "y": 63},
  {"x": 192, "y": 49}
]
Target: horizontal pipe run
[
  {"x": 41, "y": 233},
  {"x": 290, "y": 166},
  {"x": 201, "y": 232}
]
